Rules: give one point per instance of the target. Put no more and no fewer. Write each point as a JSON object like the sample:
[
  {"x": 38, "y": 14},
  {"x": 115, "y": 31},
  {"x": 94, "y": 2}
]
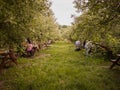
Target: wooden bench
[
  {"x": 7, "y": 57},
  {"x": 115, "y": 61}
]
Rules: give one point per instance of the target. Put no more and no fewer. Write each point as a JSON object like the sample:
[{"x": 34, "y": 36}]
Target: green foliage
[
  {"x": 108, "y": 10},
  {"x": 99, "y": 22},
  {"x": 26, "y": 18}
]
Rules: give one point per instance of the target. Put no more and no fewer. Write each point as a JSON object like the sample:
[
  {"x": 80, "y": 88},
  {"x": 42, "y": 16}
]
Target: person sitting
[
  {"x": 29, "y": 49},
  {"x": 88, "y": 47},
  {"x": 35, "y": 46},
  {"x": 77, "y": 44}
]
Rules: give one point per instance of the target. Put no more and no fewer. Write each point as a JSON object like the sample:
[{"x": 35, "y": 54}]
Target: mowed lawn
[{"x": 60, "y": 67}]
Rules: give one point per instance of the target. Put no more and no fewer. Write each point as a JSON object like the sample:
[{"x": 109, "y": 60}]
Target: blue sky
[{"x": 63, "y": 9}]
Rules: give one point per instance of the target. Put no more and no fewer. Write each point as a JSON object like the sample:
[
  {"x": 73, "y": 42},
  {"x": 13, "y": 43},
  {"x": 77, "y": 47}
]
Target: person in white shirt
[
  {"x": 88, "y": 47},
  {"x": 77, "y": 44}
]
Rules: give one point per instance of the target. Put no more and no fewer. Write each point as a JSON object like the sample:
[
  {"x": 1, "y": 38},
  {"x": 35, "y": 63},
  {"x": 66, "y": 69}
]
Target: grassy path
[{"x": 59, "y": 67}]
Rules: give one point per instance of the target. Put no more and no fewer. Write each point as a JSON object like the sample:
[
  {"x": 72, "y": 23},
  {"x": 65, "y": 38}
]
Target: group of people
[
  {"x": 87, "y": 45},
  {"x": 31, "y": 47},
  {"x": 27, "y": 48}
]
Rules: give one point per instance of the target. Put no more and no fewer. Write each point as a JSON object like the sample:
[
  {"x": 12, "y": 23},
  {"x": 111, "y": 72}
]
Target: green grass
[{"x": 59, "y": 67}]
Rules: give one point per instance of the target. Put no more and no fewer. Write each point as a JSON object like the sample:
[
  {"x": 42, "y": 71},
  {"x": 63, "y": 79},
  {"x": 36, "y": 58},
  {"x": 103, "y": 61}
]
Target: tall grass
[{"x": 60, "y": 67}]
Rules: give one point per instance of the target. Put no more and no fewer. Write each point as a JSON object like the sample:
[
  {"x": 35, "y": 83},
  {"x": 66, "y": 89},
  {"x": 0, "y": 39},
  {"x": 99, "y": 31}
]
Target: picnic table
[
  {"x": 115, "y": 61},
  {"x": 7, "y": 57}
]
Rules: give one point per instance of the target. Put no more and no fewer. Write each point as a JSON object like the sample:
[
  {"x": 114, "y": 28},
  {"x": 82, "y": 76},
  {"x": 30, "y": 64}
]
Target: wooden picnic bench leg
[
  {"x": 9, "y": 61},
  {"x": 12, "y": 57},
  {"x": 14, "y": 61},
  {"x": 3, "y": 61},
  {"x": 114, "y": 63}
]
